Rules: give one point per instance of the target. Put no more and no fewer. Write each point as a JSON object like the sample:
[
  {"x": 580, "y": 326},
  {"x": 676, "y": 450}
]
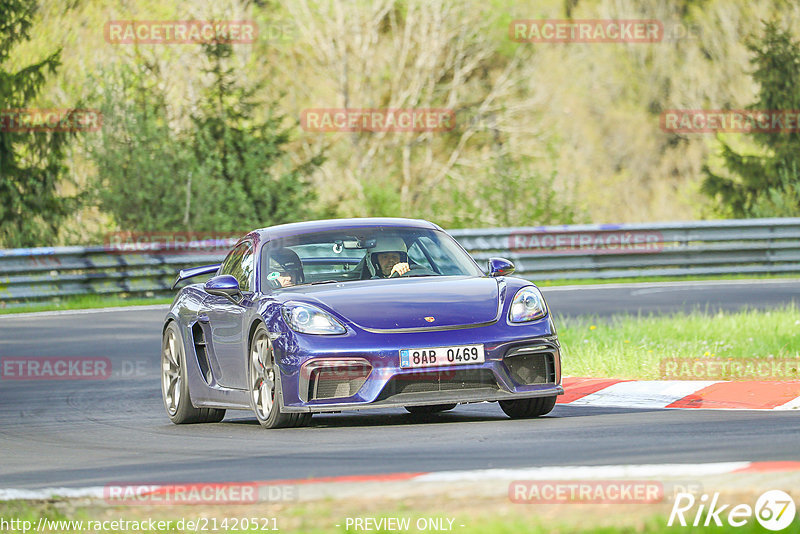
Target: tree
[
  {"x": 766, "y": 185},
  {"x": 513, "y": 193},
  {"x": 219, "y": 171},
  {"x": 31, "y": 163},
  {"x": 394, "y": 54},
  {"x": 243, "y": 178},
  {"x": 142, "y": 166}
]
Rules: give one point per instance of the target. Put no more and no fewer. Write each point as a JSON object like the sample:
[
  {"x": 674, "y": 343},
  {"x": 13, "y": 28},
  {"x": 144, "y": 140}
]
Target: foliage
[
  {"x": 32, "y": 165},
  {"x": 238, "y": 157},
  {"x": 579, "y": 122},
  {"x": 142, "y": 169},
  {"x": 222, "y": 173},
  {"x": 766, "y": 185},
  {"x": 513, "y": 193}
]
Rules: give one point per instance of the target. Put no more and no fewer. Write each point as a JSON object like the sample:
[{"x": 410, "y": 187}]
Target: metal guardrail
[
  {"x": 720, "y": 247},
  {"x": 49, "y": 272}
]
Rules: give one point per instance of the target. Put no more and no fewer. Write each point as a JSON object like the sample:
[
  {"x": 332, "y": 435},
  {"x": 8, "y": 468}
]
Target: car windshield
[{"x": 363, "y": 254}]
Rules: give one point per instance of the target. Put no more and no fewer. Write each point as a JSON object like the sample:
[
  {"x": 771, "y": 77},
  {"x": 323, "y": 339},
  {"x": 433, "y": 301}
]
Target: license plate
[{"x": 436, "y": 356}]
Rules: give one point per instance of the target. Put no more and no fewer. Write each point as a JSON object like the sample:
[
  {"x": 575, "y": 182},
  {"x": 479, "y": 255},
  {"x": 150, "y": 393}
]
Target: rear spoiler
[{"x": 183, "y": 274}]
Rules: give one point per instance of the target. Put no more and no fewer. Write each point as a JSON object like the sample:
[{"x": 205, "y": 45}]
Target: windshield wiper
[{"x": 323, "y": 282}]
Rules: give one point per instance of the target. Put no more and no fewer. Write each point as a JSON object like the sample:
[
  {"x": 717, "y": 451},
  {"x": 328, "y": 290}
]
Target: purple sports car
[{"x": 351, "y": 314}]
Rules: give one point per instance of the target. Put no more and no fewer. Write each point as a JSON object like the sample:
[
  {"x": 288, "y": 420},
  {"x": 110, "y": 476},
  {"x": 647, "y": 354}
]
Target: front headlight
[
  {"x": 308, "y": 319},
  {"x": 528, "y": 305}
]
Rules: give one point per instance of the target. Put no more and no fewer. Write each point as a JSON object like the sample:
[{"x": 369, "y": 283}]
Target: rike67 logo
[{"x": 774, "y": 510}]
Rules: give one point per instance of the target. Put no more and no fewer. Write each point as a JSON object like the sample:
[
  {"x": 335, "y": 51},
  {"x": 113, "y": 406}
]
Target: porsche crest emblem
[{"x": 430, "y": 319}]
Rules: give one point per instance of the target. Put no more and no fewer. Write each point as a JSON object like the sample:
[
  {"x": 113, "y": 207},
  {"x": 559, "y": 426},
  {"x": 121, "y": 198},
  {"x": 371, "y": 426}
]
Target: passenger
[
  {"x": 389, "y": 258},
  {"x": 285, "y": 268}
]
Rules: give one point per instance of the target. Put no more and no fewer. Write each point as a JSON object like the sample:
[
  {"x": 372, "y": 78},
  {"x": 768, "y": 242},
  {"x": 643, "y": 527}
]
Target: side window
[
  {"x": 234, "y": 257},
  {"x": 247, "y": 269},
  {"x": 241, "y": 265}
]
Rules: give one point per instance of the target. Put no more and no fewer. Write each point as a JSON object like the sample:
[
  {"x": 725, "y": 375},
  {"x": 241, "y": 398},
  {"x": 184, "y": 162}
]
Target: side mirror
[
  {"x": 500, "y": 267},
  {"x": 224, "y": 285}
]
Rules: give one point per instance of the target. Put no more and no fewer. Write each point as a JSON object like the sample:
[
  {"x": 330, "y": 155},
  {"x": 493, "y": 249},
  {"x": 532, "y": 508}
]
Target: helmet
[
  {"x": 386, "y": 244},
  {"x": 285, "y": 260}
]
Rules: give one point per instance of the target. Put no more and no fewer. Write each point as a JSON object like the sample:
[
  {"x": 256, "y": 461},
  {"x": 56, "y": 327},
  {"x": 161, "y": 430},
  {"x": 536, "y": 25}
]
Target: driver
[
  {"x": 388, "y": 258},
  {"x": 285, "y": 268}
]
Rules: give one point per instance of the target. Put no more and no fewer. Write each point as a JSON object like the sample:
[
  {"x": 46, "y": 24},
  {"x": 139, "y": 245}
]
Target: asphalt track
[{"x": 114, "y": 431}]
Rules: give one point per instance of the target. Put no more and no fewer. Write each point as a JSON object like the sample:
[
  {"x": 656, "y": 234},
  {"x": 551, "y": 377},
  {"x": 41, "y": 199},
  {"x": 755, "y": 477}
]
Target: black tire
[
  {"x": 264, "y": 385},
  {"x": 175, "y": 386},
  {"x": 434, "y": 408},
  {"x": 528, "y": 408}
]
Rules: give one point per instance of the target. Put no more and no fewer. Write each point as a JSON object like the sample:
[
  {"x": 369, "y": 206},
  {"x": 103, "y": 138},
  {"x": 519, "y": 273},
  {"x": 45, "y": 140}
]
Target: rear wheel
[
  {"x": 435, "y": 408},
  {"x": 527, "y": 408},
  {"x": 175, "y": 386},
  {"x": 264, "y": 379}
]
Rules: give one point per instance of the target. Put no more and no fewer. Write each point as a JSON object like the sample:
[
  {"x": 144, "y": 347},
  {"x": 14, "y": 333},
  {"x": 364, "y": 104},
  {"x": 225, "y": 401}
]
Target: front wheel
[
  {"x": 264, "y": 379},
  {"x": 175, "y": 386},
  {"x": 528, "y": 408}
]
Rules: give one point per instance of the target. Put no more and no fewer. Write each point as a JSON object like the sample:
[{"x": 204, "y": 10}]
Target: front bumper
[
  {"x": 500, "y": 377},
  {"x": 426, "y": 399}
]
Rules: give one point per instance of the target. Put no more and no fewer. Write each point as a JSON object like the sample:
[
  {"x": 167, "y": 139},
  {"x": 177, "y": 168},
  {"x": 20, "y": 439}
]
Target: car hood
[{"x": 405, "y": 303}]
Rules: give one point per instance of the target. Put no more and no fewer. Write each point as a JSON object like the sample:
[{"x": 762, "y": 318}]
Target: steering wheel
[{"x": 411, "y": 267}]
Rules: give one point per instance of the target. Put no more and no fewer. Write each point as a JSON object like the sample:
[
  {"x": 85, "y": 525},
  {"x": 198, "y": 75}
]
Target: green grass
[
  {"x": 321, "y": 517},
  {"x": 655, "y": 524},
  {"x": 82, "y": 302},
  {"x": 634, "y": 346},
  {"x": 642, "y": 279}
]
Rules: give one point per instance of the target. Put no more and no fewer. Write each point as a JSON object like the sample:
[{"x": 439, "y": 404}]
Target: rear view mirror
[
  {"x": 500, "y": 267},
  {"x": 224, "y": 285},
  {"x": 354, "y": 244}
]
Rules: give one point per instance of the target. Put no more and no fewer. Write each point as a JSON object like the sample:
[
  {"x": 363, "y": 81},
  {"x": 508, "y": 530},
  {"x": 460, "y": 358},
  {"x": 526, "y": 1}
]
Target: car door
[{"x": 225, "y": 319}]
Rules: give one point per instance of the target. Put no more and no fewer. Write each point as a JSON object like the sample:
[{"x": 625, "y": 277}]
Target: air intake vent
[
  {"x": 531, "y": 365},
  {"x": 432, "y": 381},
  {"x": 199, "y": 341},
  {"x": 332, "y": 379},
  {"x": 327, "y": 385}
]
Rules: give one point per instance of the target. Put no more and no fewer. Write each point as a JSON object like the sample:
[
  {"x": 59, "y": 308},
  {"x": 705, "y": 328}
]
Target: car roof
[{"x": 306, "y": 227}]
